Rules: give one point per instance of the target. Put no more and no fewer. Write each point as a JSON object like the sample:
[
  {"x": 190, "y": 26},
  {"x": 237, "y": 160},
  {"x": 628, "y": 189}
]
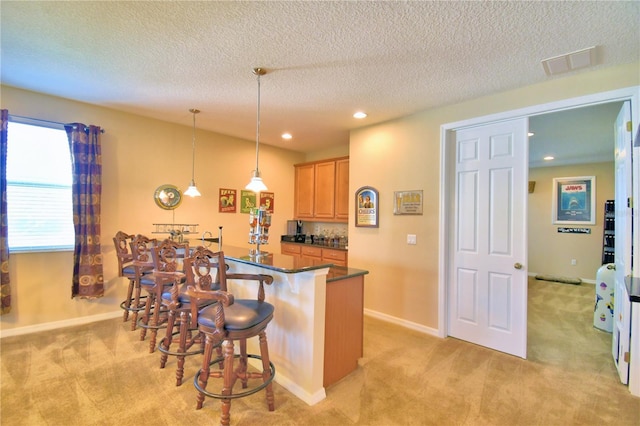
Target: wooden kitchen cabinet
[
  {"x": 342, "y": 189},
  {"x": 303, "y": 191},
  {"x": 321, "y": 190},
  {"x": 325, "y": 190},
  {"x": 314, "y": 255},
  {"x": 337, "y": 257},
  {"x": 292, "y": 249}
]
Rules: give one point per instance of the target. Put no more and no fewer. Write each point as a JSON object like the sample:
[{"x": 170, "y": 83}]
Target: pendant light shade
[
  {"x": 192, "y": 191},
  {"x": 256, "y": 184}
]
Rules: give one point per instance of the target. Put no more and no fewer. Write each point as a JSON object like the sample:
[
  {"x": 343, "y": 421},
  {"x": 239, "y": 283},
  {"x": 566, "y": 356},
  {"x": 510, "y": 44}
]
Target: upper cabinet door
[
  {"x": 325, "y": 182},
  {"x": 304, "y": 191},
  {"x": 322, "y": 190},
  {"x": 342, "y": 189}
]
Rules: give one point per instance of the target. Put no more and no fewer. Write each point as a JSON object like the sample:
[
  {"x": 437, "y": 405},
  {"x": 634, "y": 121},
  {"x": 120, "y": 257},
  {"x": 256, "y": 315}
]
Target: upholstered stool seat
[
  {"x": 224, "y": 322},
  {"x": 240, "y": 316}
]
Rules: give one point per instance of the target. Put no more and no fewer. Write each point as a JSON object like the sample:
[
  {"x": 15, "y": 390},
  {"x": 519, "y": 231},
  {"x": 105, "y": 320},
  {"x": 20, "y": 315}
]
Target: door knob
[{"x": 517, "y": 265}]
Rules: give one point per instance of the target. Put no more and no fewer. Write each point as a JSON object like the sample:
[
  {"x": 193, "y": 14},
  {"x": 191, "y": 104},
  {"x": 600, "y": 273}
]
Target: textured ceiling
[{"x": 325, "y": 60}]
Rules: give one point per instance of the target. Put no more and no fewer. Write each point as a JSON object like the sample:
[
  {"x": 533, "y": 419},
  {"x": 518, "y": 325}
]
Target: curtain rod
[{"x": 42, "y": 121}]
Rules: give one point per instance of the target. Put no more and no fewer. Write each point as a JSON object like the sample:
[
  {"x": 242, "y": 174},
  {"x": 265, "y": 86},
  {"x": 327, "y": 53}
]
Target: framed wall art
[
  {"x": 267, "y": 200},
  {"x": 574, "y": 200},
  {"x": 367, "y": 204},
  {"x": 247, "y": 201},
  {"x": 227, "y": 200},
  {"x": 407, "y": 202}
]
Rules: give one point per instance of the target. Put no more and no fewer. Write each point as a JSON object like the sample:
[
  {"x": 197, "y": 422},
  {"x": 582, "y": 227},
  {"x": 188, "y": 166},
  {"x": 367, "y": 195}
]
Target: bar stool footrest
[
  {"x": 132, "y": 308},
  {"x": 187, "y": 353},
  {"x": 239, "y": 394}
]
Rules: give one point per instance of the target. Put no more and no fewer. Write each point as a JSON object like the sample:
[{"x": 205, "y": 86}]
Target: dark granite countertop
[
  {"x": 288, "y": 264},
  {"x": 633, "y": 288}
]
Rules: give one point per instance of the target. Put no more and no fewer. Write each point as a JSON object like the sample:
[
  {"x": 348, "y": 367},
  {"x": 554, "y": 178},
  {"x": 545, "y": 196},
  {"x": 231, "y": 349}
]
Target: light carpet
[{"x": 101, "y": 374}]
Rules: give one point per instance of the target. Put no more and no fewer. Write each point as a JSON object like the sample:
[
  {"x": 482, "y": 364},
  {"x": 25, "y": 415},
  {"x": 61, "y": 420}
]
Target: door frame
[{"x": 447, "y": 177}]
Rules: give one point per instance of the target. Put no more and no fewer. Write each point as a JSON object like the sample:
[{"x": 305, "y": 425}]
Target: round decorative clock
[{"x": 167, "y": 197}]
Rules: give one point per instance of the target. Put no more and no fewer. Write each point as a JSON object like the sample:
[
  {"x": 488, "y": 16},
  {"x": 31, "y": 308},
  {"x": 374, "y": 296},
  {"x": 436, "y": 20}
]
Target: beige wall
[
  {"x": 404, "y": 154},
  {"x": 550, "y": 252},
  {"x": 138, "y": 155}
]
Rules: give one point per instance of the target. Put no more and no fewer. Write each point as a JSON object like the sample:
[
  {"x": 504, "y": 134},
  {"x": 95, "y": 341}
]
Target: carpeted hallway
[{"x": 101, "y": 374}]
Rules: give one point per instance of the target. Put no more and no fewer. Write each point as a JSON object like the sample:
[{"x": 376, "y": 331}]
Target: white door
[
  {"x": 623, "y": 237},
  {"x": 487, "y": 286}
]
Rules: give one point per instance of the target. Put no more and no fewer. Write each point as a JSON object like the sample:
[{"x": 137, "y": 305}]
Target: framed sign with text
[
  {"x": 367, "y": 204},
  {"x": 227, "y": 200},
  {"x": 574, "y": 200},
  {"x": 247, "y": 201},
  {"x": 267, "y": 199},
  {"x": 407, "y": 202}
]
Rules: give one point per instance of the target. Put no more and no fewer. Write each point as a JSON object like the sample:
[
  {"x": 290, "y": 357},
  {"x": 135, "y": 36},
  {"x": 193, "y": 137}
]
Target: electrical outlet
[
  {"x": 411, "y": 239},
  {"x": 574, "y": 262}
]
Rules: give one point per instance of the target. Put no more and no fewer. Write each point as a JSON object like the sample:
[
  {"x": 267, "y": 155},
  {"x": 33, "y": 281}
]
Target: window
[{"x": 39, "y": 177}]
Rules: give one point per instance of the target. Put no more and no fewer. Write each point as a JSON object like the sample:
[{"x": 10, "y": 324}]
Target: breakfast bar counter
[{"x": 316, "y": 335}]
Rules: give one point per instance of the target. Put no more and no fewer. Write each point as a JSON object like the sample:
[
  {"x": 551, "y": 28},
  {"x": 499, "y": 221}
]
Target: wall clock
[{"x": 167, "y": 197}]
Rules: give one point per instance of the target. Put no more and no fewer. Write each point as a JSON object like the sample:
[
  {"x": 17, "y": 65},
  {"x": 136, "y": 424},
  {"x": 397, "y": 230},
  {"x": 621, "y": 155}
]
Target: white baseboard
[
  {"x": 401, "y": 322},
  {"x": 59, "y": 324}
]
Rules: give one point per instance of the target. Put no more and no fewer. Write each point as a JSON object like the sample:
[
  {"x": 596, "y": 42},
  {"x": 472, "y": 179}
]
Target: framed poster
[
  {"x": 227, "y": 200},
  {"x": 574, "y": 200},
  {"x": 266, "y": 200},
  {"x": 367, "y": 204},
  {"x": 407, "y": 202},
  {"x": 247, "y": 200}
]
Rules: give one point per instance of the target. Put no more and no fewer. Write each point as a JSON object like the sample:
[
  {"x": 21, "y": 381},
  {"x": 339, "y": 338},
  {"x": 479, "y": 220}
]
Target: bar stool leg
[
  {"x": 266, "y": 369},
  {"x": 203, "y": 377},
  {"x": 127, "y": 301},
  {"x": 136, "y": 304},
  {"x": 165, "y": 343},
  {"x": 229, "y": 378},
  {"x": 182, "y": 345}
]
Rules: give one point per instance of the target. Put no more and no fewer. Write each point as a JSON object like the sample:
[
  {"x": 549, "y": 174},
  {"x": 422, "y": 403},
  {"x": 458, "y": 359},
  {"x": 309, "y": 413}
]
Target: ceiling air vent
[{"x": 570, "y": 61}]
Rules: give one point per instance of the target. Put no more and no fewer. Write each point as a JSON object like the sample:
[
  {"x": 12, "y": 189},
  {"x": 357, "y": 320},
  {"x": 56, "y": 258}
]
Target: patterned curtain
[
  {"x": 5, "y": 288},
  {"x": 86, "y": 160}
]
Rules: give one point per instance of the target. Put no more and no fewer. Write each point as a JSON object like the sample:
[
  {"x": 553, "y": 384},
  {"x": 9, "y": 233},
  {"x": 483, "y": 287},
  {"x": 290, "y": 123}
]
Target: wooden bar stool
[
  {"x": 178, "y": 303},
  {"x": 133, "y": 266},
  {"x": 225, "y": 321},
  {"x": 168, "y": 265},
  {"x": 125, "y": 268}
]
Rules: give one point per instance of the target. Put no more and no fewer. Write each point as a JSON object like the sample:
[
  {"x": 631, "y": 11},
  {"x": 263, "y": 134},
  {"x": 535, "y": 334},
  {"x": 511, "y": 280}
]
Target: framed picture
[
  {"x": 407, "y": 202},
  {"x": 247, "y": 201},
  {"x": 227, "y": 199},
  {"x": 574, "y": 200},
  {"x": 367, "y": 204},
  {"x": 267, "y": 200}
]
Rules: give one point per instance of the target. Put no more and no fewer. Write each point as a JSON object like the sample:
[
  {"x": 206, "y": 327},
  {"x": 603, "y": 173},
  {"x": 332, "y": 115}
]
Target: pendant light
[
  {"x": 192, "y": 191},
  {"x": 256, "y": 184}
]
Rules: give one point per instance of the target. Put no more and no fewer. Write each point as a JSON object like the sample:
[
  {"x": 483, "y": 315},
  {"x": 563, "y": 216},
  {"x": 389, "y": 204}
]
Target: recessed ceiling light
[
  {"x": 360, "y": 114},
  {"x": 530, "y": 134},
  {"x": 286, "y": 136},
  {"x": 549, "y": 158}
]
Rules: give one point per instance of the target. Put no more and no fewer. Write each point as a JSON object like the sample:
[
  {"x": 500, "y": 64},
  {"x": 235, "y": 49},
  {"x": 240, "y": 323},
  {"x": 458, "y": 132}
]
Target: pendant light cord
[
  {"x": 193, "y": 146},
  {"x": 258, "y": 126}
]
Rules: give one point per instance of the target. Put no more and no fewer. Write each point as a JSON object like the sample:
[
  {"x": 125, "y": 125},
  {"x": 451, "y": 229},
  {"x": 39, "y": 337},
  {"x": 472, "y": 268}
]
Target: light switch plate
[{"x": 411, "y": 239}]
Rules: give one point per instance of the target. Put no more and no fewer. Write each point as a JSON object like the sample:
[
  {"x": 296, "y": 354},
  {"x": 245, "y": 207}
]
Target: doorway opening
[{"x": 448, "y": 159}]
